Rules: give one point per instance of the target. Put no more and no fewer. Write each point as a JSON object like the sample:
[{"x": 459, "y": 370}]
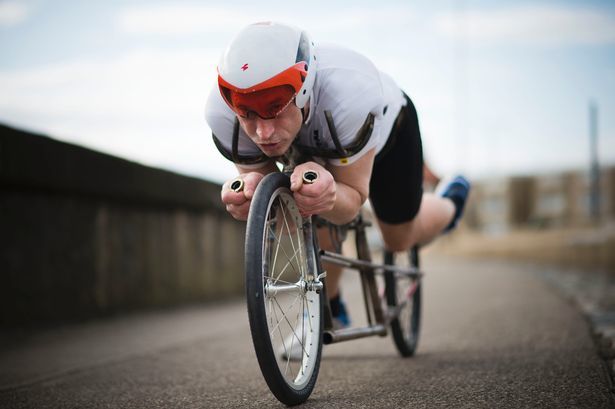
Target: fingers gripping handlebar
[{"x": 309, "y": 177}]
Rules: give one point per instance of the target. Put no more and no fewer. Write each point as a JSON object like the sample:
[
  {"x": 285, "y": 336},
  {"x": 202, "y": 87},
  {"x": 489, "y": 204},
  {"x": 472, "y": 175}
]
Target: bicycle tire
[
  {"x": 405, "y": 328},
  {"x": 275, "y": 230}
]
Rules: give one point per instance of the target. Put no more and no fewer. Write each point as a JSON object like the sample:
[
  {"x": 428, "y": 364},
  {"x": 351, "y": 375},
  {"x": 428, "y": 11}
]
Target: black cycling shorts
[{"x": 396, "y": 185}]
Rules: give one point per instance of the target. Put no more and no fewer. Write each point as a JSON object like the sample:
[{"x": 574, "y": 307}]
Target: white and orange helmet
[{"x": 265, "y": 68}]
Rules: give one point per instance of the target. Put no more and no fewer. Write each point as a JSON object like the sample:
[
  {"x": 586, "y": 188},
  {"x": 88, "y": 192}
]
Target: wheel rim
[
  {"x": 292, "y": 303},
  {"x": 405, "y": 290},
  {"x": 406, "y": 287}
]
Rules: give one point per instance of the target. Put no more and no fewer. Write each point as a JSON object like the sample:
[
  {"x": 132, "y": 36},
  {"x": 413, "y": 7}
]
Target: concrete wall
[{"x": 84, "y": 234}]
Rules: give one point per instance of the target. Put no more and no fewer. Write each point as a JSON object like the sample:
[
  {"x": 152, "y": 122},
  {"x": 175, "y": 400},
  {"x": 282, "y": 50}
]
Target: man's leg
[
  {"x": 334, "y": 271},
  {"x": 406, "y": 215},
  {"x": 341, "y": 318},
  {"x": 435, "y": 213}
]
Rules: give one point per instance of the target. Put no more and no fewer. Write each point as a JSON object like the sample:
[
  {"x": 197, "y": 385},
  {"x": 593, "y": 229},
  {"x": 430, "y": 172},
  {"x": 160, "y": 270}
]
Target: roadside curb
[
  {"x": 594, "y": 297},
  {"x": 603, "y": 327}
]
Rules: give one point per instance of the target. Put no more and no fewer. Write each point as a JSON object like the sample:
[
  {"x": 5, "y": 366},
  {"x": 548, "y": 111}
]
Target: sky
[{"x": 501, "y": 87}]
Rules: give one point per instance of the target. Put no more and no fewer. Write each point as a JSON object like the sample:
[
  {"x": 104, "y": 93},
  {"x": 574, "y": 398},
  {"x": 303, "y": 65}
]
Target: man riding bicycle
[{"x": 279, "y": 95}]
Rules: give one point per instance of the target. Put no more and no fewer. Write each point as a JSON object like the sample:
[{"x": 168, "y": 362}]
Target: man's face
[{"x": 274, "y": 136}]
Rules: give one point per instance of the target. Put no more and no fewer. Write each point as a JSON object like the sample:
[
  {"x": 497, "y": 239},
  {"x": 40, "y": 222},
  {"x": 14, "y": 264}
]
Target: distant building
[{"x": 550, "y": 200}]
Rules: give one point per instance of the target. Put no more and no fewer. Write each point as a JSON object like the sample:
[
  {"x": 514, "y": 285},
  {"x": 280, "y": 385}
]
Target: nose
[{"x": 264, "y": 128}]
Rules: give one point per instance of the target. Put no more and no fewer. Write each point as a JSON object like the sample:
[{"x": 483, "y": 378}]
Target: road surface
[{"x": 493, "y": 335}]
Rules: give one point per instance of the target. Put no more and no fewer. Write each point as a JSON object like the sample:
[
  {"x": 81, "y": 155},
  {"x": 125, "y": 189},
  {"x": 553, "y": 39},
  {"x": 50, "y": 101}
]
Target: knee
[
  {"x": 324, "y": 239},
  {"x": 399, "y": 244},
  {"x": 399, "y": 237}
]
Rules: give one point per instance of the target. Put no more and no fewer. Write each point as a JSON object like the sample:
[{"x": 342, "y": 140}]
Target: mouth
[{"x": 269, "y": 146}]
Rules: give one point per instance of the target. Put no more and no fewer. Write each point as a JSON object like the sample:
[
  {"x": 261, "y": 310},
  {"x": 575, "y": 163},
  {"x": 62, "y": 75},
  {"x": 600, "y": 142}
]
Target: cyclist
[{"x": 279, "y": 95}]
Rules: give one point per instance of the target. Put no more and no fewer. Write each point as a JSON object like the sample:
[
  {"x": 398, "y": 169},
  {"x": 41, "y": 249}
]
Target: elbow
[
  {"x": 346, "y": 214},
  {"x": 345, "y": 218},
  {"x": 347, "y": 209}
]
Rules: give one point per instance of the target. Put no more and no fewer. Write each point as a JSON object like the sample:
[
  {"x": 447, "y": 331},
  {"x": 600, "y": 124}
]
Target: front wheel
[
  {"x": 403, "y": 295},
  {"x": 284, "y": 295}
]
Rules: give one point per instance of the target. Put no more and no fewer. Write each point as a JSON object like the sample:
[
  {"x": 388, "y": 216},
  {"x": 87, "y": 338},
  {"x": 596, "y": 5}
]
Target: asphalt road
[{"x": 493, "y": 335}]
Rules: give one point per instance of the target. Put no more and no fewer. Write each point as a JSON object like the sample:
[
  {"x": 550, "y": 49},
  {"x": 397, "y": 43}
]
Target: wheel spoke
[
  {"x": 286, "y": 352},
  {"x": 292, "y": 342},
  {"x": 287, "y": 264},
  {"x": 301, "y": 258},
  {"x": 292, "y": 328},
  {"x": 282, "y": 311},
  {"x": 290, "y": 237},
  {"x": 278, "y": 281},
  {"x": 289, "y": 258},
  {"x": 277, "y": 248}
]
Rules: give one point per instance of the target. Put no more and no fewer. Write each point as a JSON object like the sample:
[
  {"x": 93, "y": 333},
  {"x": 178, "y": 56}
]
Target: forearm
[
  {"x": 338, "y": 193},
  {"x": 348, "y": 202},
  {"x": 352, "y": 187}
]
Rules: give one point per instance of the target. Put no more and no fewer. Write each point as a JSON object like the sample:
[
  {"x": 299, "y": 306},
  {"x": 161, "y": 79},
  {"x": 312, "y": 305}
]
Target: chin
[{"x": 274, "y": 151}]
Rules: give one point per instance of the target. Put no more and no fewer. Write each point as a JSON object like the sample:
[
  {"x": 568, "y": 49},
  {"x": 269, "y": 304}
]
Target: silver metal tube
[
  {"x": 271, "y": 290},
  {"x": 331, "y": 337},
  {"x": 379, "y": 268}
]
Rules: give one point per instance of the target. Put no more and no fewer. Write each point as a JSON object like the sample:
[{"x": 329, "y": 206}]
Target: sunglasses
[
  {"x": 267, "y": 104},
  {"x": 268, "y": 98}
]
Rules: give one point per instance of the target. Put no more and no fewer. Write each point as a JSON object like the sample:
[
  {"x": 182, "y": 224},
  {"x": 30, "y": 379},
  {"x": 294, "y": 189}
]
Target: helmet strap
[{"x": 305, "y": 111}]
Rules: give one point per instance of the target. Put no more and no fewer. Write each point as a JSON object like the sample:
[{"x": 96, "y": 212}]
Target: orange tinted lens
[{"x": 267, "y": 103}]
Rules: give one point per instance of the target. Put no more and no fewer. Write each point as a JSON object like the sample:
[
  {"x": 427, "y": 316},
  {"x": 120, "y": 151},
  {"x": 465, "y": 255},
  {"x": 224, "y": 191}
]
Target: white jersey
[{"x": 347, "y": 85}]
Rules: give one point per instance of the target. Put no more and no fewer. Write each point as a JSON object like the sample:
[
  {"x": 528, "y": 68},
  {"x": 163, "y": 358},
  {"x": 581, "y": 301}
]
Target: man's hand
[
  {"x": 238, "y": 203},
  {"x": 314, "y": 198}
]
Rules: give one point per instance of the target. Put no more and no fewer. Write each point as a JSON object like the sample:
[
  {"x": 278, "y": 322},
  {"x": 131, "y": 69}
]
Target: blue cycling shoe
[
  {"x": 457, "y": 190},
  {"x": 341, "y": 319}
]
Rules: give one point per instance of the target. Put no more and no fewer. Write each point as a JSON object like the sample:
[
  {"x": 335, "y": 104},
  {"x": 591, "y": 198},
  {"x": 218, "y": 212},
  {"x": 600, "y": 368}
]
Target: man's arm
[{"x": 338, "y": 193}]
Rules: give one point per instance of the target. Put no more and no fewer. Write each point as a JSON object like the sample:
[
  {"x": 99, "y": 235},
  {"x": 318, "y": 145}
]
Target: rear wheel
[
  {"x": 284, "y": 296},
  {"x": 403, "y": 296}
]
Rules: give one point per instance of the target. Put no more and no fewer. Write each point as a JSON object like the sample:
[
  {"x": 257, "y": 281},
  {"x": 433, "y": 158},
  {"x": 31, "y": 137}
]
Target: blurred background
[
  {"x": 519, "y": 96},
  {"x": 502, "y": 87}
]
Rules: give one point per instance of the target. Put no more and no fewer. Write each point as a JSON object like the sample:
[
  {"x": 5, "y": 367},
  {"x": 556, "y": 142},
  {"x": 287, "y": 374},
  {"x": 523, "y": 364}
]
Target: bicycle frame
[{"x": 378, "y": 319}]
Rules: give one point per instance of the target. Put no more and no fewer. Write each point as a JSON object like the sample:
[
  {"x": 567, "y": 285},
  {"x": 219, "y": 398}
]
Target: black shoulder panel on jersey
[
  {"x": 234, "y": 155},
  {"x": 363, "y": 135}
]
